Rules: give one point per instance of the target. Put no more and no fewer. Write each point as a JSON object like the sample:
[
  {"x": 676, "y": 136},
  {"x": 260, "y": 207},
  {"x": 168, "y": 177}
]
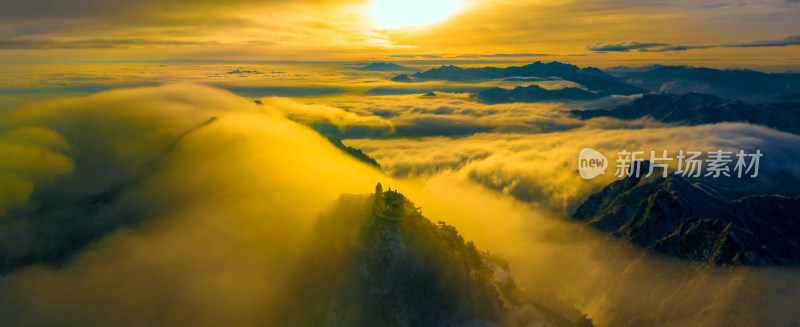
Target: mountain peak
[
  {"x": 591, "y": 78},
  {"x": 375, "y": 260},
  {"x": 391, "y": 205},
  {"x": 386, "y": 66}
]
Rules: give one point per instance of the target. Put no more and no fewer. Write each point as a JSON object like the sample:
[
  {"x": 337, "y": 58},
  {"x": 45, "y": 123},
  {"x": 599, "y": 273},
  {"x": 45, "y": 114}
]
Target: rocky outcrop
[
  {"x": 376, "y": 261},
  {"x": 356, "y": 153},
  {"x": 697, "y": 220}
]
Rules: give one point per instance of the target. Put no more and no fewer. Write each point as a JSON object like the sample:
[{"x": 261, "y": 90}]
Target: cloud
[
  {"x": 314, "y": 114},
  {"x": 225, "y": 201},
  {"x": 87, "y": 43},
  {"x": 531, "y": 168},
  {"x": 623, "y": 46},
  {"x": 87, "y": 8},
  {"x": 791, "y": 40},
  {"x": 452, "y": 114},
  {"x": 283, "y": 91},
  {"x": 192, "y": 29},
  {"x": 113, "y": 151},
  {"x": 31, "y": 155},
  {"x": 501, "y": 55},
  {"x": 429, "y": 56},
  {"x": 341, "y": 29},
  {"x": 214, "y": 198},
  {"x": 540, "y": 171},
  {"x": 558, "y": 257},
  {"x": 664, "y": 47}
]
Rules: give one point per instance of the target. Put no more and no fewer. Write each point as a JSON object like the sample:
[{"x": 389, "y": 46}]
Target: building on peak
[{"x": 389, "y": 205}]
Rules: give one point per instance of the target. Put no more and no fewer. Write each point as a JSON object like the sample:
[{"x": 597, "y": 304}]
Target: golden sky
[{"x": 280, "y": 30}]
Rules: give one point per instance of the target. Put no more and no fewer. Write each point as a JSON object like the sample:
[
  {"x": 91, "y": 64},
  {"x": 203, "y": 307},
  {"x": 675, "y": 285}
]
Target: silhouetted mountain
[
  {"x": 534, "y": 93},
  {"x": 430, "y": 94},
  {"x": 358, "y": 154},
  {"x": 697, "y": 109},
  {"x": 698, "y": 220},
  {"x": 402, "y": 78},
  {"x": 591, "y": 78},
  {"x": 596, "y": 72},
  {"x": 747, "y": 85},
  {"x": 376, "y": 261},
  {"x": 387, "y": 66}
]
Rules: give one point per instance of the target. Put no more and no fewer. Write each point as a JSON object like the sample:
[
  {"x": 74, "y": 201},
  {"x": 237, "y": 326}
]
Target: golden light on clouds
[
  {"x": 232, "y": 204},
  {"x": 336, "y": 30},
  {"x": 212, "y": 163}
]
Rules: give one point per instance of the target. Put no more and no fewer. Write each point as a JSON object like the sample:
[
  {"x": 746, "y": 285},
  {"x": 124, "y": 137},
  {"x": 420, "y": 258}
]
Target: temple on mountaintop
[{"x": 389, "y": 205}]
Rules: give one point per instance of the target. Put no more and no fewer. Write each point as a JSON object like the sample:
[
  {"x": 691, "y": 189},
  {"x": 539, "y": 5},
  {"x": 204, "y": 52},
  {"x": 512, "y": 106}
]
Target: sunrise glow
[
  {"x": 399, "y": 163},
  {"x": 397, "y": 13}
]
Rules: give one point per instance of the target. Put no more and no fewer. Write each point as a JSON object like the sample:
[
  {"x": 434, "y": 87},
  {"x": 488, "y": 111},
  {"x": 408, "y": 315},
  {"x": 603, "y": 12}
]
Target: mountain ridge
[
  {"x": 386, "y": 67},
  {"x": 699, "y": 108},
  {"x": 693, "y": 219},
  {"x": 743, "y": 84},
  {"x": 375, "y": 260},
  {"x": 590, "y": 77}
]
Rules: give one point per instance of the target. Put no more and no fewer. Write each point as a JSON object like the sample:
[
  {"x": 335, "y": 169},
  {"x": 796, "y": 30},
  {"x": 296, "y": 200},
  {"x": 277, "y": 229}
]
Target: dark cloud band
[{"x": 664, "y": 47}]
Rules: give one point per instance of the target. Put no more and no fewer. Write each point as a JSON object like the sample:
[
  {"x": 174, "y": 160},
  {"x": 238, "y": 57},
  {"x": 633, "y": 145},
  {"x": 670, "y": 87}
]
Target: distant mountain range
[
  {"x": 535, "y": 93},
  {"x": 374, "y": 260},
  {"x": 746, "y": 85},
  {"x": 387, "y": 67},
  {"x": 698, "y": 220},
  {"x": 590, "y": 77},
  {"x": 697, "y": 109}
]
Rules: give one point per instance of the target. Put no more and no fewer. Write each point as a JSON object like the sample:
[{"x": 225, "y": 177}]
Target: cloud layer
[{"x": 219, "y": 196}]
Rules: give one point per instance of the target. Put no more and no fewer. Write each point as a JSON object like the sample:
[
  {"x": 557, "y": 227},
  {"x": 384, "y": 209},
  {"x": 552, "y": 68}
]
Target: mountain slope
[
  {"x": 694, "y": 219},
  {"x": 376, "y": 261},
  {"x": 358, "y": 154}
]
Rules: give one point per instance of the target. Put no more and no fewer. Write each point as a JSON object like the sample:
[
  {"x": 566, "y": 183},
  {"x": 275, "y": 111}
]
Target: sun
[{"x": 403, "y": 13}]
